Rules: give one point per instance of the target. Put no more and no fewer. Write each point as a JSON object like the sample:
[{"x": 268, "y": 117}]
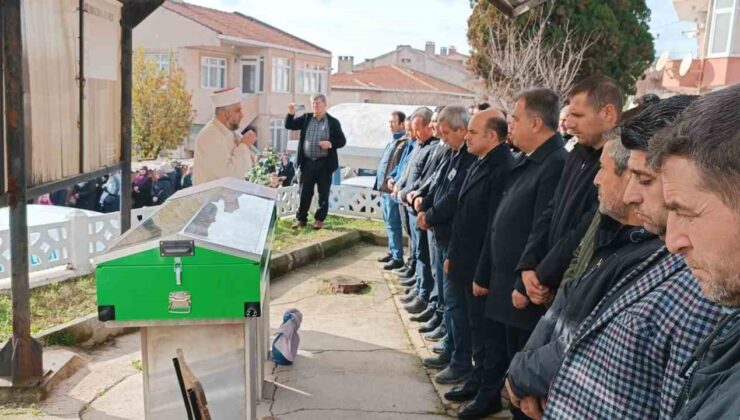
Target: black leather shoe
[
  {"x": 393, "y": 264},
  {"x": 438, "y": 347},
  {"x": 453, "y": 375},
  {"x": 438, "y": 333},
  {"x": 408, "y": 274},
  {"x": 463, "y": 392},
  {"x": 403, "y": 269},
  {"x": 480, "y": 407},
  {"x": 416, "y": 306},
  {"x": 385, "y": 259},
  {"x": 409, "y": 297},
  {"x": 424, "y": 316},
  {"x": 432, "y": 324},
  {"x": 436, "y": 362},
  {"x": 408, "y": 282}
]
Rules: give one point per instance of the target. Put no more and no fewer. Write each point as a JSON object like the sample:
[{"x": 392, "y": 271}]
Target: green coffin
[{"x": 203, "y": 255}]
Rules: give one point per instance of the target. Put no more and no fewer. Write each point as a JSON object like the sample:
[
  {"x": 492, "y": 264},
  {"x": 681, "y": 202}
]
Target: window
[
  {"x": 405, "y": 60},
  {"x": 161, "y": 59},
  {"x": 311, "y": 79},
  {"x": 213, "y": 72},
  {"x": 279, "y": 134},
  {"x": 722, "y": 23},
  {"x": 252, "y": 69},
  {"x": 281, "y": 75}
]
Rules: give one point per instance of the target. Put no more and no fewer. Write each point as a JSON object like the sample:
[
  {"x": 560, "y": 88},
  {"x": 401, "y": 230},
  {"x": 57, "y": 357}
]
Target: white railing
[{"x": 73, "y": 243}]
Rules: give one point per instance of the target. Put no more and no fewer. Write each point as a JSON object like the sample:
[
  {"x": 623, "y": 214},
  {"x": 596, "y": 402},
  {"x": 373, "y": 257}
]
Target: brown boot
[
  {"x": 298, "y": 225},
  {"x": 318, "y": 224}
]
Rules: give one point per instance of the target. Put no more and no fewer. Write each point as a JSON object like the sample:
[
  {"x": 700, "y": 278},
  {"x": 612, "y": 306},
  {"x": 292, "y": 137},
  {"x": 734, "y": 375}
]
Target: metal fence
[{"x": 75, "y": 242}]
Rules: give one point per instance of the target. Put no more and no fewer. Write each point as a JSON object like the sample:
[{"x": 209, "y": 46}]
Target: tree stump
[{"x": 346, "y": 285}]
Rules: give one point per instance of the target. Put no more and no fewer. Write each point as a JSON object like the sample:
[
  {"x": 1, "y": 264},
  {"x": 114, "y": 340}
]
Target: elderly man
[
  {"x": 620, "y": 244},
  {"x": 595, "y": 105},
  {"x": 626, "y": 358},
  {"x": 321, "y": 136},
  {"x": 437, "y": 209},
  {"x": 391, "y": 215},
  {"x": 478, "y": 199},
  {"x": 699, "y": 159},
  {"x": 219, "y": 152},
  {"x": 418, "y": 167}
]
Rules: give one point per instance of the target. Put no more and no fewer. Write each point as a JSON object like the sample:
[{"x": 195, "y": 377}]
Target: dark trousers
[
  {"x": 314, "y": 173},
  {"x": 490, "y": 353},
  {"x": 458, "y": 325},
  {"x": 407, "y": 228},
  {"x": 516, "y": 339},
  {"x": 425, "y": 281}
]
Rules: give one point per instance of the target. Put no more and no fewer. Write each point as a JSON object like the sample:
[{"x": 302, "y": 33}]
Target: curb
[
  {"x": 420, "y": 345},
  {"x": 88, "y": 332}
]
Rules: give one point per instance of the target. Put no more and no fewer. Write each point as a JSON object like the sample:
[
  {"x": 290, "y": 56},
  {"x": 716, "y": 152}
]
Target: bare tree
[{"x": 521, "y": 57}]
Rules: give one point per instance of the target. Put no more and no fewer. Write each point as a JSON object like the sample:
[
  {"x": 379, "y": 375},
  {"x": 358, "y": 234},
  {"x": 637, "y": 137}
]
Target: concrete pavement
[{"x": 355, "y": 359}]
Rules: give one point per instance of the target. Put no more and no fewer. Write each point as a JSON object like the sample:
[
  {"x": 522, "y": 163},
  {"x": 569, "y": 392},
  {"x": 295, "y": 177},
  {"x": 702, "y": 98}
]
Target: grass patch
[
  {"x": 137, "y": 364},
  {"x": 62, "y": 302},
  {"x": 53, "y": 305},
  {"x": 287, "y": 238}
]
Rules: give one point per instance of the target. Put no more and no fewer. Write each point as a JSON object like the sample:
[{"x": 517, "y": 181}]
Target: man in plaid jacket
[{"x": 627, "y": 356}]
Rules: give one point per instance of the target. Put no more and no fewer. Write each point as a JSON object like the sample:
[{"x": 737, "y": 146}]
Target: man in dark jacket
[
  {"x": 419, "y": 167},
  {"x": 595, "y": 105},
  {"x": 85, "y": 195},
  {"x": 162, "y": 188},
  {"x": 620, "y": 244},
  {"x": 626, "y": 359},
  {"x": 699, "y": 159},
  {"x": 529, "y": 189},
  {"x": 391, "y": 214},
  {"x": 436, "y": 212},
  {"x": 321, "y": 136},
  {"x": 479, "y": 197}
]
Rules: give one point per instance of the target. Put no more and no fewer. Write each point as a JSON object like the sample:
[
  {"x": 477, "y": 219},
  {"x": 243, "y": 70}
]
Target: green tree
[
  {"x": 162, "y": 111},
  {"x": 621, "y": 45}
]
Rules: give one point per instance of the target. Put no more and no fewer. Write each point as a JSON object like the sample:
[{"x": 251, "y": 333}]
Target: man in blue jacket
[{"x": 391, "y": 215}]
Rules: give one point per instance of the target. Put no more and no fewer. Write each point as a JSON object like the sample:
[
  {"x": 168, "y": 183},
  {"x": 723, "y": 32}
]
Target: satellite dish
[
  {"x": 683, "y": 69},
  {"x": 662, "y": 61}
]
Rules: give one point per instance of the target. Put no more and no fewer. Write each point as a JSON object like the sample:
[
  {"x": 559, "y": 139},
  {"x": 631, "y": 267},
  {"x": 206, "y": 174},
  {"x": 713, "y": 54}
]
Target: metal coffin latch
[
  {"x": 178, "y": 271},
  {"x": 179, "y": 303}
]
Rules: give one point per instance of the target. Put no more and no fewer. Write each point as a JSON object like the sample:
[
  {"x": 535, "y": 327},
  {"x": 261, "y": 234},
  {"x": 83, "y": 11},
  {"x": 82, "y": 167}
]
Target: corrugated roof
[
  {"x": 394, "y": 78},
  {"x": 240, "y": 26}
]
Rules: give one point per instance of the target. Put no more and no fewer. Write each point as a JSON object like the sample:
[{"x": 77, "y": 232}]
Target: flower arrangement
[{"x": 264, "y": 172}]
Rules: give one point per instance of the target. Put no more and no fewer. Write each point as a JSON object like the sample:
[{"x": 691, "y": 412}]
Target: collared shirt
[{"x": 316, "y": 131}]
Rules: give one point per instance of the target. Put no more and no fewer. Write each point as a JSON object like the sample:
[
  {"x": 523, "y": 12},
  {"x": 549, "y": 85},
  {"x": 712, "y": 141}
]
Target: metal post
[
  {"x": 126, "y": 58},
  {"x": 81, "y": 86},
  {"x": 21, "y": 359}
]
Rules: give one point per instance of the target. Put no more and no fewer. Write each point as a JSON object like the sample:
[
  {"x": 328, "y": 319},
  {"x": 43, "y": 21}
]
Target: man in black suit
[
  {"x": 478, "y": 199},
  {"x": 595, "y": 107},
  {"x": 529, "y": 189},
  {"x": 321, "y": 136}
]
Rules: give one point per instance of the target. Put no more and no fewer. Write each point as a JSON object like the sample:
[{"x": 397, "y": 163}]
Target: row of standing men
[{"x": 544, "y": 274}]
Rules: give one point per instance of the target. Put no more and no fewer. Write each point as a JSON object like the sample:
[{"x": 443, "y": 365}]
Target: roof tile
[
  {"x": 395, "y": 78},
  {"x": 240, "y": 26}
]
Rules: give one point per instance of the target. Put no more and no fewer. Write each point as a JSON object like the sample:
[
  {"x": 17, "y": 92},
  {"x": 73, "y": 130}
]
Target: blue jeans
[
  {"x": 392, "y": 219},
  {"x": 437, "y": 257},
  {"x": 424, "y": 280},
  {"x": 456, "y": 317}
]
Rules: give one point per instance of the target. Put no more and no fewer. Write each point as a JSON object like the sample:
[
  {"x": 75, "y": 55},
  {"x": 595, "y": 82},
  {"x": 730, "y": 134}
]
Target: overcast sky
[{"x": 368, "y": 28}]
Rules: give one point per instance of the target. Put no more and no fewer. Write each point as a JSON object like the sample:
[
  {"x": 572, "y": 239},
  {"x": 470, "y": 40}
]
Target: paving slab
[{"x": 356, "y": 360}]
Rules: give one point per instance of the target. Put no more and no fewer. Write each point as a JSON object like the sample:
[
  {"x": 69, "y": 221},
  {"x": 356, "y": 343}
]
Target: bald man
[{"x": 479, "y": 197}]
